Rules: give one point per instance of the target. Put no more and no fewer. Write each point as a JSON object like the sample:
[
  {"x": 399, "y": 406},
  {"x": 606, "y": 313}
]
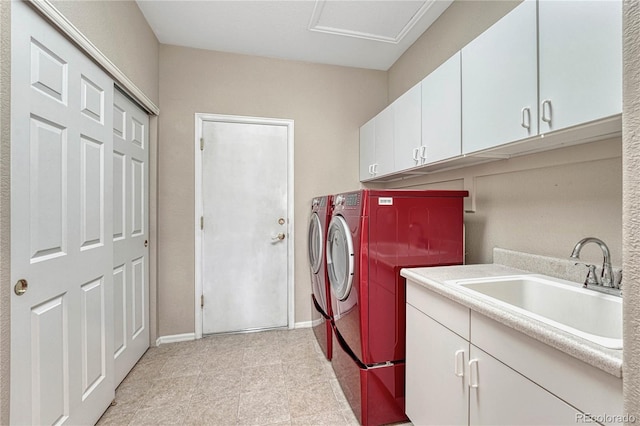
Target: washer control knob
[{"x": 340, "y": 200}]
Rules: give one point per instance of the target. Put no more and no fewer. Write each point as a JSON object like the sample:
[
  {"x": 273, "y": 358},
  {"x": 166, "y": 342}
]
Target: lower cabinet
[
  {"x": 499, "y": 395},
  {"x": 436, "y": 388},
  {"x": 451, "y": 381}
]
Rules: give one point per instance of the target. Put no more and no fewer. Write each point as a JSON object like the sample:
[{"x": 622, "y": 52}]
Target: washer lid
[
  {"x": 340, "y": 257},
  {"x": 316, "y": 241}
]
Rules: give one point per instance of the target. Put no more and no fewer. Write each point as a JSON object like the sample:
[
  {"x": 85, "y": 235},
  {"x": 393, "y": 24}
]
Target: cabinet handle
[
  {"x": 423, "y": 152},
  {"x": 371, "y": 169},
  {"x": 473, "y": 373},
  {"x": 526, "y": 118},
  {"x": 375, "y": 168},
  {"x": 546, "y": 111},
  {"x": 458, "y": 368},
  {"x": 416, "y": 154}
]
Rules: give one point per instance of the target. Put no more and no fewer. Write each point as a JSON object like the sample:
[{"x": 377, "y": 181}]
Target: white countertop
[{"x": 435, "y": 279}]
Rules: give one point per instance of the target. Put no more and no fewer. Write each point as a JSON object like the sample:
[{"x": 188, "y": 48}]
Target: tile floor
[{"x": 267, "y": 378}]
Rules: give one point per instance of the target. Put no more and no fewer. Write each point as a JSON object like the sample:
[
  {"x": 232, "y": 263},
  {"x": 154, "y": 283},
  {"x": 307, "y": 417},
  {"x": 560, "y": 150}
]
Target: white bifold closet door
[
  {"x": 61, "y": 227},
  {"x": 130, "y": 234},
  {"x": 63, "y": 230}
]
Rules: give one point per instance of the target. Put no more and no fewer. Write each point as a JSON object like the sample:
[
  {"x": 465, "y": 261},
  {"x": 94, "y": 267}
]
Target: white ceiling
[{"x": 357, "y": 33}]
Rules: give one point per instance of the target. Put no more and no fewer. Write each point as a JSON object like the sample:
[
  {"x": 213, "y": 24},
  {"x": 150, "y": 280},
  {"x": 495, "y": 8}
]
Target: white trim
[
  {"x": 303, "y": 324},
  {"x": 200, "y": 118},
  {"x": 174, "y": 338},
  {"x": 319, "y": 8},
  {"x": 58, "y": 20}
]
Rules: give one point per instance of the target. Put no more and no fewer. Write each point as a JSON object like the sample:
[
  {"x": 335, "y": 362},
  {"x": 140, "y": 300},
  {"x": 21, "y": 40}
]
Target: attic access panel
[{"x": 386, "y": 21}]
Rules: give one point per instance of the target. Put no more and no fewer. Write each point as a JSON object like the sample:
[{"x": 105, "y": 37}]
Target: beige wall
[
  {"x": 118, "y": 28},
  {"x": 542, "y": 203},
  {"x": 463, "y": 21},
  {"x": 631, "y": 212},
  {"x": 327, "y": 103}
]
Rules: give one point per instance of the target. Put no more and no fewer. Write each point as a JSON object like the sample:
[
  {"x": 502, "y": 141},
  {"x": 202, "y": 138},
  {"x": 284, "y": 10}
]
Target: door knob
[
  {"x": 281, "y": 221},
  {"x": 21, "y": 287},
  {"x": 278, "y": 237}
]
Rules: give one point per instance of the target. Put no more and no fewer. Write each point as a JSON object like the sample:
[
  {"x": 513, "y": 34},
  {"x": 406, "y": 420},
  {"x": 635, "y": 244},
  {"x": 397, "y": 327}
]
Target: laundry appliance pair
[
  {"x": 321, "y": 208},
  {"x": 369, "y": 236}
]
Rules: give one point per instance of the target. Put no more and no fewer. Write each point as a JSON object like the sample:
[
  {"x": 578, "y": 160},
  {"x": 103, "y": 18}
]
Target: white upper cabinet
[
  {"x": 367, "y": 149},
  {"x": 376, "y": 145},
  {"x": 408, "y": 129},
  {"x": 499, "y": 82},
  {"x": 384, "y": 163},
  {"x": 547, "y": 65},
  {"x": 441, "y": 112},
  {"x": 580, "y": 46}
]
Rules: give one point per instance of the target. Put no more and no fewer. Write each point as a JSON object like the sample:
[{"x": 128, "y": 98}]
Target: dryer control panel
[
  {"x": 348, "y": 200},
  {"x": 352, "y": 200}
]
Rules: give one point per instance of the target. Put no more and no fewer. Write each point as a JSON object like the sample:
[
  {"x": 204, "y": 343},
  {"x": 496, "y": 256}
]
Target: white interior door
[
  {"x": 130, "y": 234},
  {"x": 244, "y": 240},
  {"x": 61, "y": 227}
]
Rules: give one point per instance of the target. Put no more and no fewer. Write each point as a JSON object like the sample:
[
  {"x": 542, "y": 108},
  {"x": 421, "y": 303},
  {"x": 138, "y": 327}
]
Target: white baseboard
[{"x": 185, "y": 337}]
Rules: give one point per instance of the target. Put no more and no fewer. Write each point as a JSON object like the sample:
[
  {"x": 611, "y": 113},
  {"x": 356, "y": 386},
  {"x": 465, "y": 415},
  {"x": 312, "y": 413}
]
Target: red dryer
[
  {"x": 372, "y": 235},
  {"x": 320, "y": 299}
]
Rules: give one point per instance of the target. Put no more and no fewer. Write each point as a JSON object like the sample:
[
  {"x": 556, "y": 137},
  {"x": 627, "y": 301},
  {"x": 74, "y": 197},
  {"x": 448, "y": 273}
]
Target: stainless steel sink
[{"x": 593, "y": 316}]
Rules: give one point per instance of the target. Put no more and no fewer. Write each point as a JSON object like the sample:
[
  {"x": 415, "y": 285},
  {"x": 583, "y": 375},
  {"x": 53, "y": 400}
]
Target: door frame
[{"x": 200, "y": 119}]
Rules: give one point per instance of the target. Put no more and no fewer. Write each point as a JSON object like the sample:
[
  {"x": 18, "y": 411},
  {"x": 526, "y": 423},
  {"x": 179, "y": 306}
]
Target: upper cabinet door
[
  {"x": 367, "y": 149},
  {"x": 384, "y": 163},
  {"x": 407, "y": 129},
  {"x": 441, "y": 112},
  {"x": 499, "y": 82},
  {"x": 580, "y": 62}
]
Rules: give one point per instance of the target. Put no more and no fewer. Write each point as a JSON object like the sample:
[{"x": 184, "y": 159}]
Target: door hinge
[
  {"x": 202, "y": 301},
  {"x": 201, "y": 144},
  {"x": 201, "y": 222}
]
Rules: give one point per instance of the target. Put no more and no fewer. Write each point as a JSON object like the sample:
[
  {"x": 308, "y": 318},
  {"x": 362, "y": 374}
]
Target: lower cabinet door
[
  {"x": 436, "y": 387},
  {"x": 499, "y": 395}
]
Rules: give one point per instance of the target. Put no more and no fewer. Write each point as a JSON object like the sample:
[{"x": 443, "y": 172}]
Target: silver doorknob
[
  {"x": 21, "y": 287},
  {"x": 278, "y": 237}
]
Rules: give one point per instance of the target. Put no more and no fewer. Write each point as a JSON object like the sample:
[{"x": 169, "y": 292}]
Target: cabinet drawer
[{"x": 448, "y": 313}]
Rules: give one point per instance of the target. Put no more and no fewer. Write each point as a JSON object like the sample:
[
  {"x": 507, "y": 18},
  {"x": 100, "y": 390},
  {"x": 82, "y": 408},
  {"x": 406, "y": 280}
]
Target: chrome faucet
[{"x": 606, "y": 279}]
